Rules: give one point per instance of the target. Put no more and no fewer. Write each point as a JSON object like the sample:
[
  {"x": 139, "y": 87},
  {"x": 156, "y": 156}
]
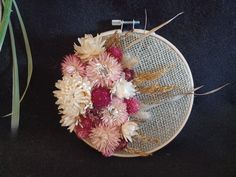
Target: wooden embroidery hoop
[{"x": 174, "y": 54}]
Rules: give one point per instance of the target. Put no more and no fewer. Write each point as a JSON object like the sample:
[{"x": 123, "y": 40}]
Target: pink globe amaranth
[
  {"x": 83, "y": 129},
  {"x": 132, "y": 105},
  {"x": 122, "y": 145},
  {"x": 129, "y": 74},
  {"x": 116, "y": 52},
  {"x": 101, "y": 97}
]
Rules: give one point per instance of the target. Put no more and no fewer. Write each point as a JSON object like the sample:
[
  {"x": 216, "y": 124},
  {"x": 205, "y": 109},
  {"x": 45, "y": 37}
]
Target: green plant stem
[
  {"x": 28, "y": 52},
  {"x": 15, "y": 85},
  {"x": 27, "y": 48},
  {"x": 0, "y": 10},
  {"x": 5, "y": 20}
]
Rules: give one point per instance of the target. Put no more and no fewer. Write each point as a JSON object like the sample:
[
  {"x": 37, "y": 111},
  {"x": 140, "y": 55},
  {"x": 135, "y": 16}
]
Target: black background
[{"x": 205, "y": 34}]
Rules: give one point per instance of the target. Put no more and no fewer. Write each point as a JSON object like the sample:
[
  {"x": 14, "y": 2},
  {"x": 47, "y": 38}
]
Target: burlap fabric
[{"x": 155, "y": 52}]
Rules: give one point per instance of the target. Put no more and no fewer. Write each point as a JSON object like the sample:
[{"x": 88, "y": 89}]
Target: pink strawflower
[
  {"x": 115, "y": 114},
  {"x": 133, "y": 105},
  {"x": 104, "y": 70},
  {"x": 71, "y": 65},
  {"x": 83, "y": 129},
  {"x": 129, "y": 74},
  {"x": 105, "y": 139},
  {"x": 116, "y": 52},
  {"x": 101, "y": 97}
]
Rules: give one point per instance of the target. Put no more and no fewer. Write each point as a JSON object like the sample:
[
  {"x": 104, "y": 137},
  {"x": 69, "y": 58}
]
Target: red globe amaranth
[
  {"x": 86, "y": 122},
  {"x": 84, "y": 128},
  {"x": 95, "y": 115},
  {"x": 129, "y": 74},
  {"x": 116, "y": 52},
  {"x": 101, "y": 97},
  {"x": 132, "y": 105},
  {"x": 92, "y": 113},
  {"x": 122, "y": 145}
]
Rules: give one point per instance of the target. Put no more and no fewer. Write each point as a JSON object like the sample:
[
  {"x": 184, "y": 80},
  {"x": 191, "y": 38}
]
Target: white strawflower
[
  {"x": 124, "y": 89},
  {"x": 73, "y": 97},
  {"x": 129, "y": 129},
  {"x": 90, "y": 47},
  {"x": 69, "y": 121}
]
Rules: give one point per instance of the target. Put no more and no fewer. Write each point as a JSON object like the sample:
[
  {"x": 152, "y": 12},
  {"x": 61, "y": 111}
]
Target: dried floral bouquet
[{"x": 96, "y": 95}]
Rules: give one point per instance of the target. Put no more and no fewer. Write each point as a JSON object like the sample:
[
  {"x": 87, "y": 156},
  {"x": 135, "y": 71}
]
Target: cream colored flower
[
  {"x": 124, "y": 89},
  {"x": 69, "y": 121},
  {"x": 129, "y": 129},
  {"x": 73, "y": 98},
  {"x": 89, "y": 47}
]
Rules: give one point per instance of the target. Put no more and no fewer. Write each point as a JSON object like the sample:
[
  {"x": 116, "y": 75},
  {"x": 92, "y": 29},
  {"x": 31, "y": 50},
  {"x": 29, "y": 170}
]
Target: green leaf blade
[
  {"x": 28, "y": 50},
  {"x": 15, "y": 117},
  {"x": 5, "y": 20}
]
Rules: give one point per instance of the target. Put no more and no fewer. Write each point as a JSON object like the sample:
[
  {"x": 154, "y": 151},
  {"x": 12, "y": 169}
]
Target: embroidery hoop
[{"x": 165, "y": 127}]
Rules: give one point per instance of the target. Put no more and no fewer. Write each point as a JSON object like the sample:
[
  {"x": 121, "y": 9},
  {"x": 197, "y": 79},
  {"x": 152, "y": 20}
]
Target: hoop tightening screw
[{"x": 122, "y": 22}]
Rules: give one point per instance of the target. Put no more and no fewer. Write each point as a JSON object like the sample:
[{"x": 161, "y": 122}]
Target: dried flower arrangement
[{"x": 97, "y": 95}]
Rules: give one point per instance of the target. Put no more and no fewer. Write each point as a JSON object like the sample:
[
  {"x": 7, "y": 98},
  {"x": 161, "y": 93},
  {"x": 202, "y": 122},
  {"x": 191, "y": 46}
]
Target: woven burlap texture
[{"x": 154, "y": 53}]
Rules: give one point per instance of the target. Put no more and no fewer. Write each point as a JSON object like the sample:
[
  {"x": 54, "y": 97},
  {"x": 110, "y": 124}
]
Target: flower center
[
  {"x": 70, "y": 69},
  {"x": 113, "y": 112},
  {"x": 102, "y": 70}
]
